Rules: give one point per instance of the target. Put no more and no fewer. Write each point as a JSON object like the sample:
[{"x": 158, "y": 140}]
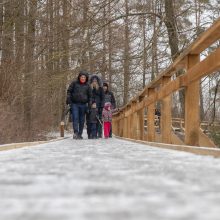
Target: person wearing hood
[
  {"x": 109, "y": 98},
  {"x": 108, "y": 95},
  {"x": 79, "y": 98},
  {"x": 98, "y": 98}
]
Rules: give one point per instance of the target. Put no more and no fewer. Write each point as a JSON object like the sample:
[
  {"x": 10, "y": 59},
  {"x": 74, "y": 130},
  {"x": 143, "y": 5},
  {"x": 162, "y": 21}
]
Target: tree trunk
[
  {"x": 65, "y": 57},
  {"x": 1, "y": 21},
  {"x": 126, "y": 56},
  {"x": 144, "y": 52},
  {"x": 109, "y": 47},
  {"x": 84, "y": 58},
  {"x": 7, "y": 33},
  {"x": 170, "y": 23},
  {"x": 19, "y": 32},
  {"x": 29, "y": 66}
]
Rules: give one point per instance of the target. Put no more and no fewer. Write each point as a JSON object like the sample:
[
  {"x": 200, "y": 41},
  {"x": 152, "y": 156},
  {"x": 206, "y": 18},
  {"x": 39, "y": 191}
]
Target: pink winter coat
[{"x": 107, "y": 113}]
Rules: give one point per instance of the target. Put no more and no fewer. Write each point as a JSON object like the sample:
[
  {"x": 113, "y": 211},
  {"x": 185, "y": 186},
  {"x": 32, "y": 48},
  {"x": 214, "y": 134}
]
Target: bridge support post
[
  {"x": 192, "y": 111},
  {"x": 140, "y": 121},
  {"x": 115, "y": 126},
  {"x": 128, "y": 122},
  {"x": 125, "y": 126},
  {"x": 151, "y": 118},
  {"x": 62, "y": 129},
  {"x": 166, "y": 115},
  {"x": 133, "y": 121}
]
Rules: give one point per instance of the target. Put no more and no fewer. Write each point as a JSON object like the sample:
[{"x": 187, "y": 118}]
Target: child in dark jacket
[
  {"x": 93, "y": 121},
  {"x": 107, "y": 119}
]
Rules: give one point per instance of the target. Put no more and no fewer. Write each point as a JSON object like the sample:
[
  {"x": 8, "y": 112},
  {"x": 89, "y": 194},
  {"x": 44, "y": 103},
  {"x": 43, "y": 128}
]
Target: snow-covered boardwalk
[{"x": 107, "y": 180}]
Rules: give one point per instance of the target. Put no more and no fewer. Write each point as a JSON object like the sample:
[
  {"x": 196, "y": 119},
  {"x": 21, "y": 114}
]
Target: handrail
[{"x": 161, "y": 88}]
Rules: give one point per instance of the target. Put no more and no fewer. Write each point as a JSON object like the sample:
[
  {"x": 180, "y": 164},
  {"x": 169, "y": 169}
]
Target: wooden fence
[{"x": 129, "y": 121}]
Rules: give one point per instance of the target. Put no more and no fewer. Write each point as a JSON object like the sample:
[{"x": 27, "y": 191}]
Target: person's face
[
  {"x": 105, "y": 88},
  {"x": 94, "y": 82},
  {"x": 82, "y": 79}
]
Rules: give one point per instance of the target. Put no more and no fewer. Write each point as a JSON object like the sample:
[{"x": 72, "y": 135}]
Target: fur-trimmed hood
[{"x": 95, "y": 77}]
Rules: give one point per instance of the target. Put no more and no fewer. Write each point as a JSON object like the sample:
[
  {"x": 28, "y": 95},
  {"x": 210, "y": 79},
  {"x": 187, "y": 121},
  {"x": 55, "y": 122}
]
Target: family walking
[{"x": 90, "y": 101}]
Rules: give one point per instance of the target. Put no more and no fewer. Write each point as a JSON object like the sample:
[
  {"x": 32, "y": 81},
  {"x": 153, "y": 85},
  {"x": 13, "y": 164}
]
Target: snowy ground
[{"x": 107, "y": 180}]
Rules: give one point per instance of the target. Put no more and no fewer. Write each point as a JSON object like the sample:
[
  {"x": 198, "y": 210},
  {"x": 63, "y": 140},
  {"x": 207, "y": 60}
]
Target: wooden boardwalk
[{"x": 107, "y": 180}]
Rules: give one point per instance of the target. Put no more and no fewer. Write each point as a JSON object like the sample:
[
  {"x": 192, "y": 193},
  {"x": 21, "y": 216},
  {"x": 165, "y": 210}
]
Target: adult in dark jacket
[
  {"x": 109, "y": 97},
  {"x": 79, "y": 97},
  {"x": 98, "y": 98}
]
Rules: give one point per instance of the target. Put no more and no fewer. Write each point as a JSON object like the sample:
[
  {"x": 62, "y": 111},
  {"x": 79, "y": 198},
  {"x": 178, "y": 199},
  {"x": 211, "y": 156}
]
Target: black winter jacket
[
  {"x": 79, "y": 93},
  {"x": 98, "y": 97},
  {"x": 109, "y": 97},
  {"x": 93, "y": 114}
]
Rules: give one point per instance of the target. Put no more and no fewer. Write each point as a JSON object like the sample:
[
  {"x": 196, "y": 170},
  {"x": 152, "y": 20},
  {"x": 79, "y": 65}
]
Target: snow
[{"x": 107, "y": 180}]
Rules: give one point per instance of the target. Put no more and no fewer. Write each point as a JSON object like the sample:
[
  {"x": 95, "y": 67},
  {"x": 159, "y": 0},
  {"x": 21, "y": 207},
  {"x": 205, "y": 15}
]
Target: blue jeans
[
  {"x": 78, "y": 116},
  {"x": 93, "y": 130}
]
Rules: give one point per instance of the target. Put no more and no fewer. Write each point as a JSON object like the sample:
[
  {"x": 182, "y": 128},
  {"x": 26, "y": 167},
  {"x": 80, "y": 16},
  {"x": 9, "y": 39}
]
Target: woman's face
[
  {"x": 82, "y": 79},
  {"x": 94, "y": 82}
]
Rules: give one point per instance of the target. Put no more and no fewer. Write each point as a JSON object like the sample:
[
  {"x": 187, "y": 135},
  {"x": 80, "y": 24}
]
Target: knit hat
[{"x": 105, "y": 84}]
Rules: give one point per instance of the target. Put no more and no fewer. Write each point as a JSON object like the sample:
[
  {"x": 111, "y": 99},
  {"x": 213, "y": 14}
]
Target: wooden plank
[
  {"x": 210, "y": 36},
  {"x": 204, "y": 141},
  {"x": 192, "y": 96},
  {"x": 215, "y": 152},
  {"x": 209, "y": 65},
  {"x": 125, "y": 127},
  {"x": 150, "y": 118},
  {"x": 166, "y": 115},
  {"x": 26, "y": 144}
]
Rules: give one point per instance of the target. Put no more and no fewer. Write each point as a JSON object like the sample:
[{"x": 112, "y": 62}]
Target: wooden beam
[
  {"x": 166, "y": 115},
  {"x": 210, "y": 36},
  {"x": 150, "y": 118},
  {"x": 192, "y": 96}
]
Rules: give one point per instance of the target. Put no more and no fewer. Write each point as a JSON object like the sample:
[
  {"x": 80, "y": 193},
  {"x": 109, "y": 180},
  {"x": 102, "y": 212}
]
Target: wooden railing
[{"x": 129, "y": 121}]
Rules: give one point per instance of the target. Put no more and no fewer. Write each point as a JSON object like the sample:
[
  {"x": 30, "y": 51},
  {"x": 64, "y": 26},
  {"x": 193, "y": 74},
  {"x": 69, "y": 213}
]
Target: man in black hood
[{"x": 79, "y": 97}]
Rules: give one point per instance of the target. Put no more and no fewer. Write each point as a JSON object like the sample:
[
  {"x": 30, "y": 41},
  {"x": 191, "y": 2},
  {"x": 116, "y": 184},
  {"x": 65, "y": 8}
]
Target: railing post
[
  {"x": 166, "y": 122},
  {"x": 133, "y": 133},
  {"x": 115, "y": 126},
  {"x": 140, "y": 121},
  {"x": 125, "y": 125},
  {"x": 192, "y": 115},
  {"x": 62, "y": 129},
  {"x": 129, "y": 121},
  {"x": 121, "y": 124},
  {"x": 150, "y": 118}
]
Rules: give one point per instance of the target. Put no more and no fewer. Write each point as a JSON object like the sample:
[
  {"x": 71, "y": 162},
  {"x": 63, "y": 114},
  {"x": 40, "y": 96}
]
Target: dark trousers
[
  {"x": 93, "y": 130},
  {"x": 99, "y": 125},
  {"x": 78, "y": 116}
]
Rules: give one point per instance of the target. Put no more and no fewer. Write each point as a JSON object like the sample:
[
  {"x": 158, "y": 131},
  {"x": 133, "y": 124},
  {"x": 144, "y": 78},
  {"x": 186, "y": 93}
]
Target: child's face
[{"x": 94, "y": 105}]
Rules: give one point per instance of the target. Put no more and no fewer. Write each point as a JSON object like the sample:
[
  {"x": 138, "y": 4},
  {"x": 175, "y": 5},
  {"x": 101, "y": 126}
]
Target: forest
[{"x": 45, "y": 43}]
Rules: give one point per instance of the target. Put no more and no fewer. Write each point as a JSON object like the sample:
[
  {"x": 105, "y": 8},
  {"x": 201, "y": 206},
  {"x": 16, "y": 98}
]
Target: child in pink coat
[{"x": 107, "y": 118}]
